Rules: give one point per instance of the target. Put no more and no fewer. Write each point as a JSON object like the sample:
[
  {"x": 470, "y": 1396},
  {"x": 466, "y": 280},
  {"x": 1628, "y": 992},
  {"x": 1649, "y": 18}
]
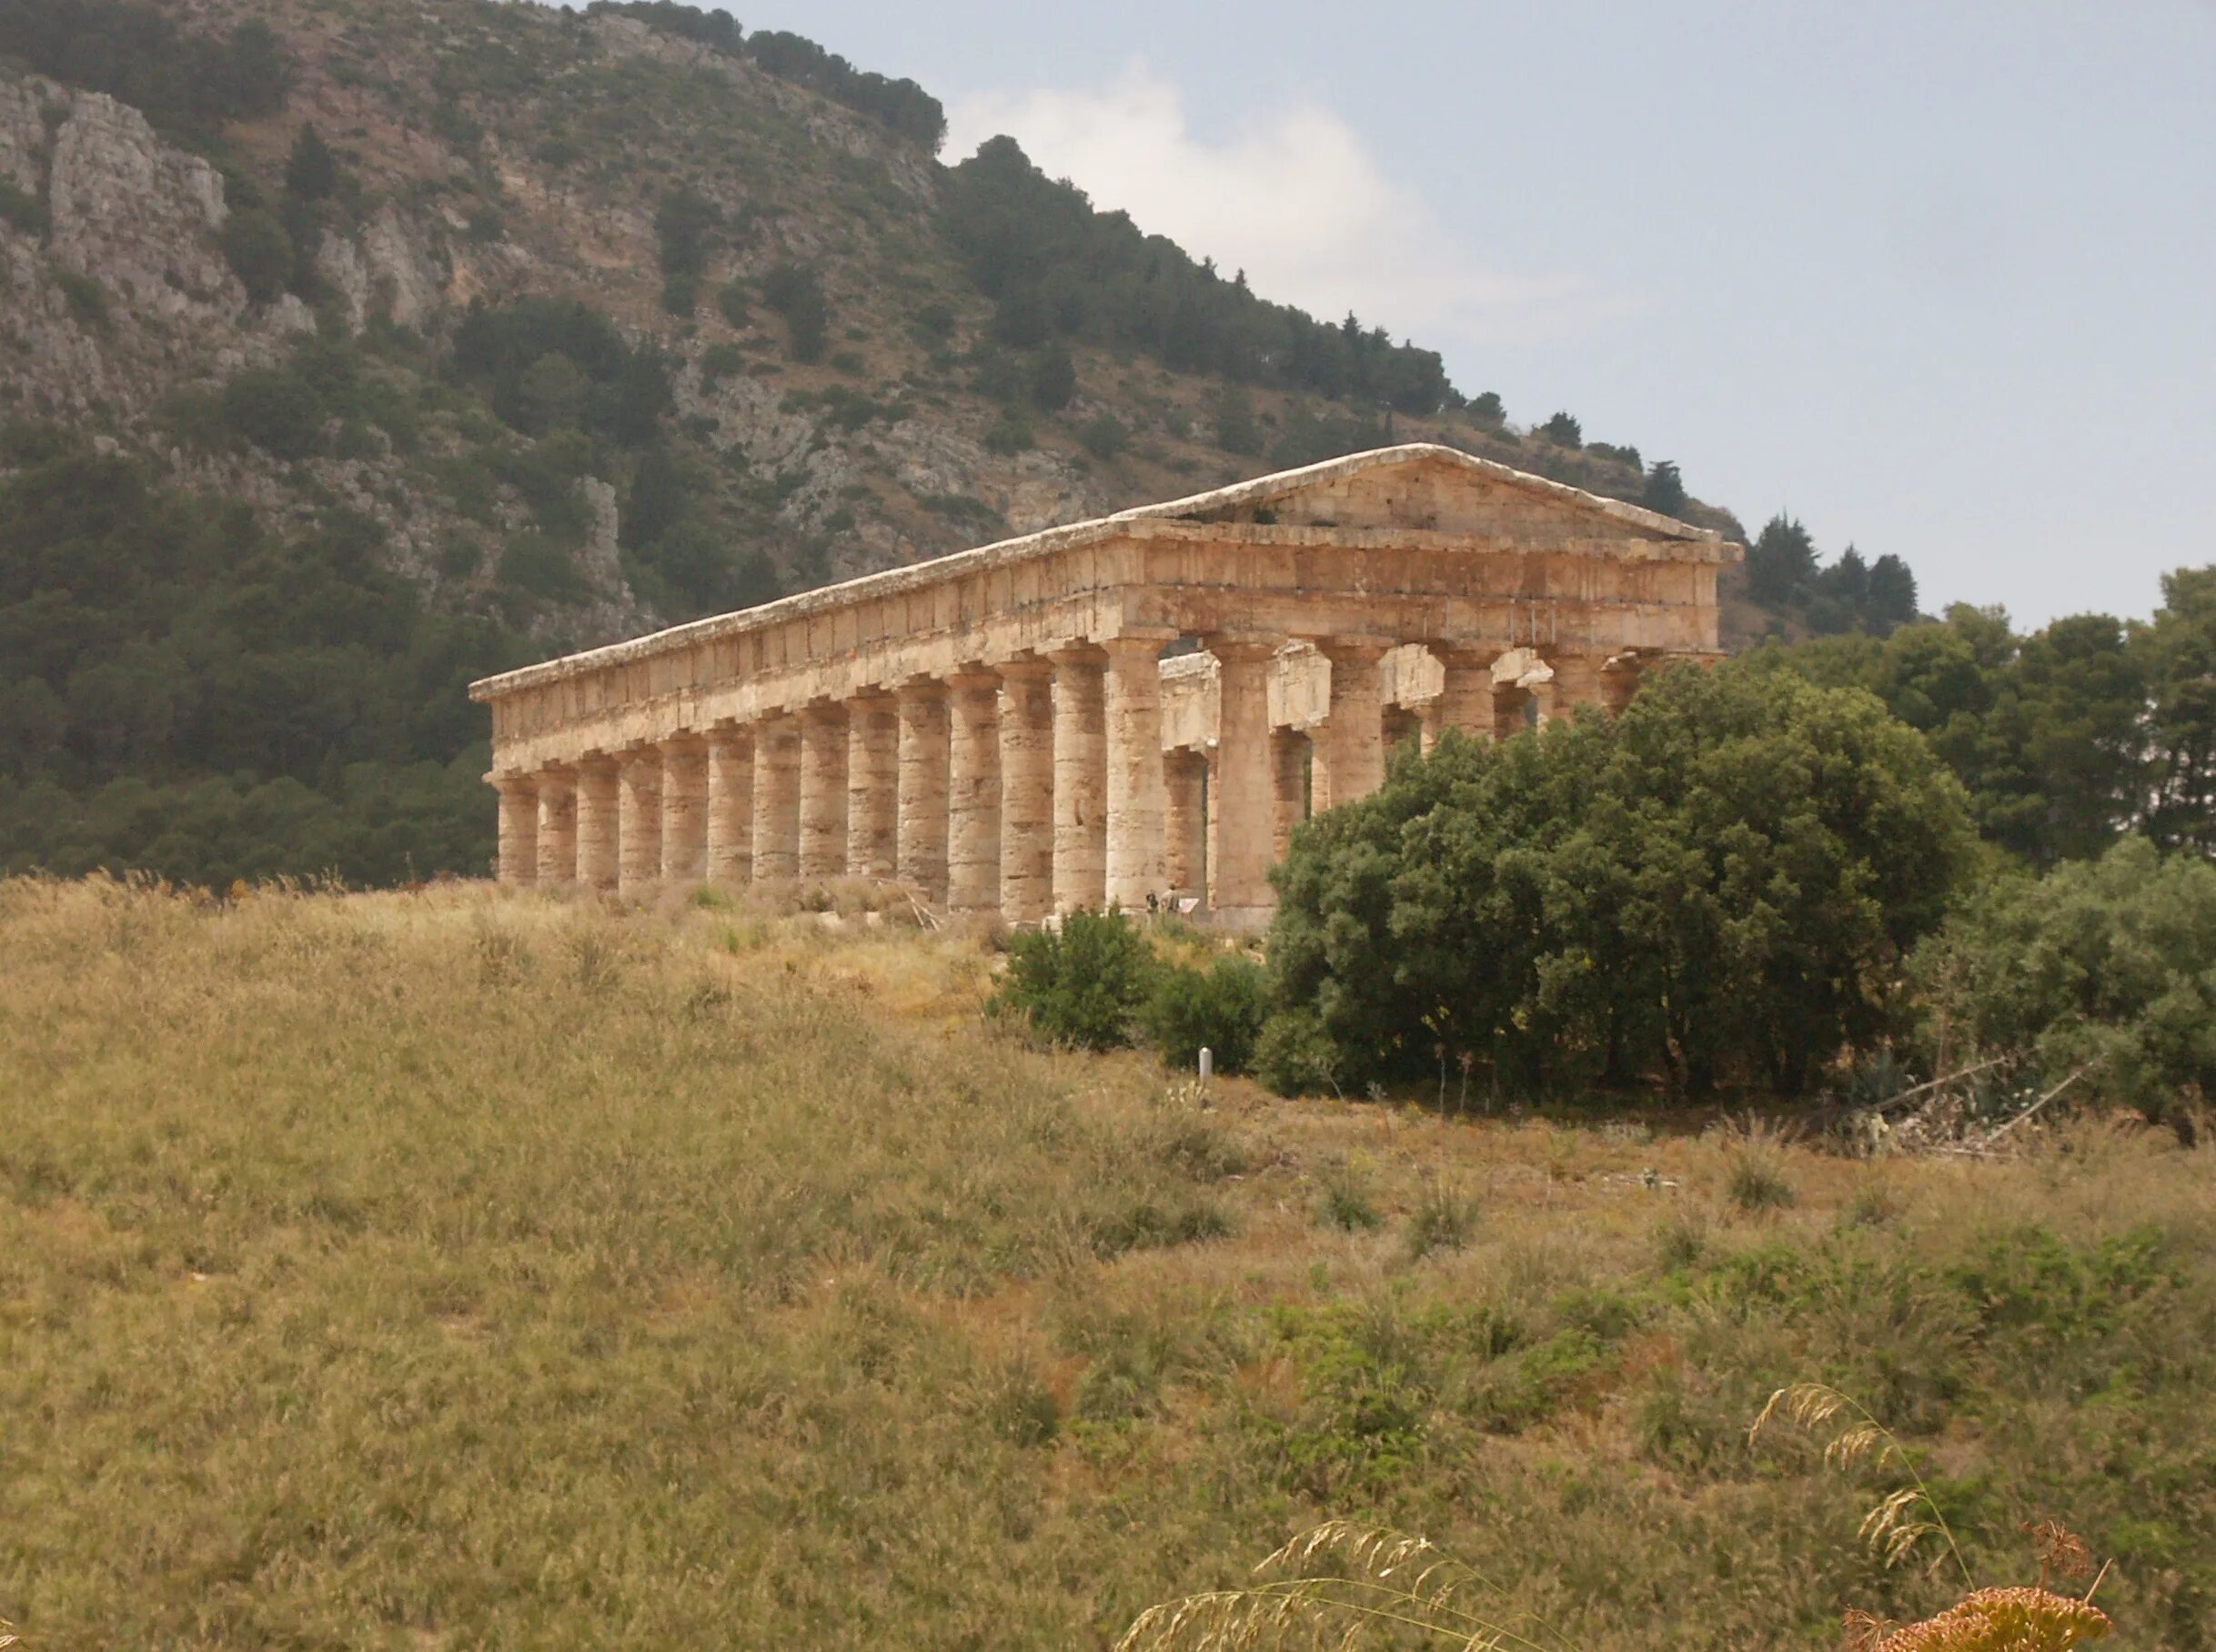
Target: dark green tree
[
  {"x": 1053, "y": 379},
  {"x": 1719, "y": 884},
  {"x": 311, "y": 170},
  {"x": 1781, "y": 562},
  {"x": 1562, "y": 431},
  {"x": 1665, "y": 489}
]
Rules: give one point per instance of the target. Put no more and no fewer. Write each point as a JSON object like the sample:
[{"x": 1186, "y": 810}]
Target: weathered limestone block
[
  {"x": 1027, "y": 789},
  {"x": 1132, "y": 711},
  {"x": 638, "y": 822},
  {"x": 872, "y": 787},
  {"x": 1081, "y": 779},
  {"x": 923, "y": 759},
  {"x": 1465, "y": 695},
  {"x": 557, "y": 828},
  {"x": 1240, "y": 805},
  {"x": 1351, "y": 754},
  {"x": 1288, "y": 787},
  {"x": 596, "y": 824},
  {"x": 777, "y": 801},
  {"x": 1185, "y": 803},
  {"x": 518, "y": 832},
  {"x": 823, "y": 742},
  {"x": 973, "y": 792},
  {"x": 684, "y": 810},
  {"x": 729, "y": 848}
]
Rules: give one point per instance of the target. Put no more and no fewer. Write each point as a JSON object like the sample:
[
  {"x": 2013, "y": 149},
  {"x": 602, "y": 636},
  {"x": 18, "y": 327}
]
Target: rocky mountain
[{"x": 529, "y": 328}]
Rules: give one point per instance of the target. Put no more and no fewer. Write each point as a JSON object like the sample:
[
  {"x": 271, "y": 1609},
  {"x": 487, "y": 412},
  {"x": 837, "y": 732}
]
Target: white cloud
[{"x": 1293, "y": 197}]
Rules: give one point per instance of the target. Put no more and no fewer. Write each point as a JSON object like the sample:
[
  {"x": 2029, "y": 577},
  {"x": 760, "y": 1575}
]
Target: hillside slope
[
  {"x": 450, "y": 1270},
  {"x": 347, "y": 350}
]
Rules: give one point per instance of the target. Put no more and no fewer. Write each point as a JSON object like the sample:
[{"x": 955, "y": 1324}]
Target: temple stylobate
[{"x": 1138, "y": 708}]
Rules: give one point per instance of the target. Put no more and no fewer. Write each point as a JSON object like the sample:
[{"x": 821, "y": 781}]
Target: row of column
[{"x": 1034, "y": 786}]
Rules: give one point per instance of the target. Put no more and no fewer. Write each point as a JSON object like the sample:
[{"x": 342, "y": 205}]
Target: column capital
[
  {"x": 919, "y": 689},
  {"x": 516, "y": 784},
  {"x": 685, "y": 743},
  {"x": 1024, "y": 668},
  {"x": 1078, "y": 654},
  {"x": 973, "y": 674},
  {"x": 1124, "y": 649}
]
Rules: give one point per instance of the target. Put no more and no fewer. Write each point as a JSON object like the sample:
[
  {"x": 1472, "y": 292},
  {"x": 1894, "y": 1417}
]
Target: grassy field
[{"x": 455, "y": 1270}]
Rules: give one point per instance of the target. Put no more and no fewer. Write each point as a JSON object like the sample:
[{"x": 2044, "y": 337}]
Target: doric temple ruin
[{"x": 1135, "y": 708}]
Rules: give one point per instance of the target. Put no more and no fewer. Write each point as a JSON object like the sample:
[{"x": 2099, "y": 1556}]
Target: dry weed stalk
[
  {"x": 1390, "y": 1578},
  {"x": 1890, "y": 1527}
]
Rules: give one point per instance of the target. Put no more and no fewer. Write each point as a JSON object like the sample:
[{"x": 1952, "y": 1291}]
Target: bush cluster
[{"x": 1095, "y": 983}]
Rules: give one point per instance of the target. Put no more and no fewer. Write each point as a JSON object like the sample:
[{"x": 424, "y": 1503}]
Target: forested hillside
[{"x": 350, "y": 351}]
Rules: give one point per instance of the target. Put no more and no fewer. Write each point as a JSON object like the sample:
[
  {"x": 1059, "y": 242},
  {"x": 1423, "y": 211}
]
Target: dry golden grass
[{"x": 455, "y": 1269}]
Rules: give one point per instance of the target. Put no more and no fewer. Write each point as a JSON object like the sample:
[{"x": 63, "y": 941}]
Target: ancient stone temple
[{"x": 1141, "y": 706}]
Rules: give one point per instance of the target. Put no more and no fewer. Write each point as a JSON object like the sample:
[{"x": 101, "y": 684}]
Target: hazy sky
[{"x": 1939, "y": 278}]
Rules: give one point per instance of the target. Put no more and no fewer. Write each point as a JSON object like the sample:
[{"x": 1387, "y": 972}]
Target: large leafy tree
[{"x": 1718, "y": 885}]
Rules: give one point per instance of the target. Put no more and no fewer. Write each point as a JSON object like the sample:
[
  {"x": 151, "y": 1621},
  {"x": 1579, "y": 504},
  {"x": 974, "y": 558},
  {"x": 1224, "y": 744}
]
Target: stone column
[
  {"x": 1513, "y": 710},
  {"x": 1132, "y": 704},
  {"x": 873, "y": 786},
  {"x": 1466, "y": 701},
  {"x": 595, "y": 822},
  {"x": 1288, "y": 787},
  {"x": 1350, "y": 758},
  {"x": 730, "y": 847},
  {"x": 638, "y": 822},
  {"x": 1577, "y": 684},
  {"x": 1185, "y": 778},
  {"x": 823, "y": 737},
  {"x": 518, "y": 828},
  {"x": 684, "y": 810},
  {"x": 777, "y": 801},
  {"x": 1620, "y": 681},
  {"x": 973, "y": 792},
  {"x": 1239, "y": 805},
  {"x": 557, "y": 828},
  {"x": 921, "y": 852},
  {"x": 1027, "y": 790},
  {"x": 1430, "y": 719},
  {"x": 1081, "y": 781}
]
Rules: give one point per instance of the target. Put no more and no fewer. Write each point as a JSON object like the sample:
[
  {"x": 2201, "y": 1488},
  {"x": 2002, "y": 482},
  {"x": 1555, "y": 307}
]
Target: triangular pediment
[{"x": 1423, "y": 485}]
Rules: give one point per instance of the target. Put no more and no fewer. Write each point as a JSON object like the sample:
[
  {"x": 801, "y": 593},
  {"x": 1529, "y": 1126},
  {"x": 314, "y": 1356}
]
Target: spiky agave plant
[{"x": 1329, "y": 1585}]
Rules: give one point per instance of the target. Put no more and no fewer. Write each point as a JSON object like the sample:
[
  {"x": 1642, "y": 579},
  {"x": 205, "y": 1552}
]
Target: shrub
[
  {"x": 2107, "y": 967},
  {"x": 1080, "y": 984},
  {"x": 1103, "y": 435},
  {"x": 1720, "y": 882},
  {"x": 276, "y": 409},
  {"x": 1011, "y": 434},
  {"x": 87, "y": 298},
  {"x": 680, "y": 294},
  {"x": 1757, "y": 1185},
  {"x": 1221, "y": 1008},
  {"x": 259, "y": 252},
  {"x": 732, "y": 299},
  {"x": 21, "y": 210},
  {"x": 1343, "y": 1202},
  {"x": 796, "y": 293},
  {"x": 1442, "y": 1219}
]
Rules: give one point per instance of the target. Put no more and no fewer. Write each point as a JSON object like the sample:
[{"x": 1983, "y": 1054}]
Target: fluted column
[
  {"x": 1288, "y": 787},
  {"x": 973, "y": 792},
  {"x": 1185, "y": 823},
  {"x": 1619, "y": 681},
  {"x": 873, "y": 786},
  {"x": 1466, "y": 701},
  {"x": 1430, "y": 719},
  {"x": 728, "y": 849},
  {"x": 684, "y": 810},
  {"x": 638, "y": 822},
  {"x": 1350, "y": 758},
  {"x": 777, "y": 801},
  {"x": 1132, "y": 705},
  {"x": 595, "y": 822},
  {"x": 1027, "y": 789},
  {"x": 1081, "y": 781},
  {"x": 1239, "y": 808},
  {"x": 921, "y": 852},
  {"x": 557, "y": 828},
  {"x": 823, "y": 737},
  {"x": 518, "y": 828}
]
